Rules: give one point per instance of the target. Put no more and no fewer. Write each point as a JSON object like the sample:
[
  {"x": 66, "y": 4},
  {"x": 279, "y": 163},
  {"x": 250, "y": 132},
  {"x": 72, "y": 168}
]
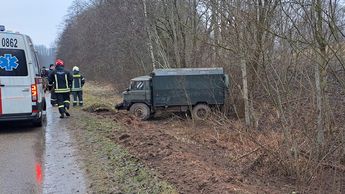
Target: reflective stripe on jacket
[
  {"x": 61, "y": 80},
  {"x": 78, "y": 82}
]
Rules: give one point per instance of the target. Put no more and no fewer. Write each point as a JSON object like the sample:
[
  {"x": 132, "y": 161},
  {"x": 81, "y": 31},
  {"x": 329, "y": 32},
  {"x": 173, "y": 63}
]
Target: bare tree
[{"x": 285, "y": 59}]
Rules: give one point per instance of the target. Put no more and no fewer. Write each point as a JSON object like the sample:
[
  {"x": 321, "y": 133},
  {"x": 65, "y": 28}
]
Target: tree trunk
[
  {"x": 320, "y": 121},
  {"x": 175, "y": 35},
  {"x": 149, "y": 36},
  {"x": 215, "y": 27},
  {"x": 320, "y": 75},
  {"x": 194, "y": 31},
  {"x": 245, "y": 91}
]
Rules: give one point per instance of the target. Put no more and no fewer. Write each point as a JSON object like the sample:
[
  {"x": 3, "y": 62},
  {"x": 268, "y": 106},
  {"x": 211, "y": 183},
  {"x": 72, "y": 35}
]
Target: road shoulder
[{"x": 109, "y": 166}]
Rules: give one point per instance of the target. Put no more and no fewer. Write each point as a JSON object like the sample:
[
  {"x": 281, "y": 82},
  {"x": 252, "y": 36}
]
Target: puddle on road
[{"x": 62, "y": 172}]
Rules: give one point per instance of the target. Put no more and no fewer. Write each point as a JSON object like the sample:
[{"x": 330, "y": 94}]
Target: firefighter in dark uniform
[
  {"x": 77, "y": 85},
  {"x": 53, "y": 99},
  {"x": 61, "y": 80}
]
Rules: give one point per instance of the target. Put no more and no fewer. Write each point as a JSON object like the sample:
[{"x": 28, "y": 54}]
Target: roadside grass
[
  {"x": 111, "y": 169},
  {"x": 100, "y": 94}
]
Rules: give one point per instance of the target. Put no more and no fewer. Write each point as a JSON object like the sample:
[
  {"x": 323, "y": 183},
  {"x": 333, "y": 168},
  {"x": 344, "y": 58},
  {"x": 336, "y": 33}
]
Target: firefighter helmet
[
  {"x": 59, "y": 62},
  {"x": 75, "y": 68}
]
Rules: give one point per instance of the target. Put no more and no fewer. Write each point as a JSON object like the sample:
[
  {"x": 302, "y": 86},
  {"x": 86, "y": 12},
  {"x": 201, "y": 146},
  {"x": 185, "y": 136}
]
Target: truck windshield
[
  {"x": 13, "y": 62},
  {"x": 137, "y": 85}
]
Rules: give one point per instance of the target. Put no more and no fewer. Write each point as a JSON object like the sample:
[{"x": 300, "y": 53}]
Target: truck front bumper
[{"x": 122, "y": 106}]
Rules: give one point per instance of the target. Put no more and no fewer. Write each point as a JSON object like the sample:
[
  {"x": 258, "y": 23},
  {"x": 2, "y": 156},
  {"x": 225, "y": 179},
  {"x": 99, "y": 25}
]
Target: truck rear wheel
[
  {"x": 201, "y": 112},
  {"x": 140, "y": 110}
]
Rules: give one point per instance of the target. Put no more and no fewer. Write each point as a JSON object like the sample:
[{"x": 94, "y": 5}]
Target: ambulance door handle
[
  {"x": 26, "y": 90},
  {"x": 2, "y": 85}
]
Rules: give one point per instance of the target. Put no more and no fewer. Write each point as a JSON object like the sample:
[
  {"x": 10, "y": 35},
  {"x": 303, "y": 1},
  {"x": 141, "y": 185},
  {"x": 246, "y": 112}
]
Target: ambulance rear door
[{"x": 15, "y": 75}]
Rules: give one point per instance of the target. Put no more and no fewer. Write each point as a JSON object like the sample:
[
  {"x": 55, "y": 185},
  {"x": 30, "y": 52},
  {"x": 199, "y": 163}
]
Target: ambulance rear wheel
[
  {"x": 38, "y": 122},
  {"x": 44, "y": 105},
  {"x": 201, "y": 112},
  {"x": 141, "y": 111}
]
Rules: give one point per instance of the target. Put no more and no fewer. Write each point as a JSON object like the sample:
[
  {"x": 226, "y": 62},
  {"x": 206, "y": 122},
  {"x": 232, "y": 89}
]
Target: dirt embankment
[
  {"x": 216, "y": 156},
  {"x": 194, "y": 157}
]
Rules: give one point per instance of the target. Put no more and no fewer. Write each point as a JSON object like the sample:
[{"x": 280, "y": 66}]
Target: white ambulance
[{"x": 21, "y": 90}]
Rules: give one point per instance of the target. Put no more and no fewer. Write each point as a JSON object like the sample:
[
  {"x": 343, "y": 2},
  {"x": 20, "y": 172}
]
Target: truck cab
[
  {"x": 138, "y": 98},
  {"x": 139, "y": 91}
]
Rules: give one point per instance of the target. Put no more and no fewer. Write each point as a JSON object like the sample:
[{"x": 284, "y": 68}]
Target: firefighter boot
[{"x": 62, "y": 111}]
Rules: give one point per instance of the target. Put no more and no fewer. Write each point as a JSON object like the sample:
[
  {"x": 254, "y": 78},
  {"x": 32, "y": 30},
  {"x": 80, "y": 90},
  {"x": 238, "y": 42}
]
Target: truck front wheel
[
  {"x": 140, "y": 110},
  {"x": 201, "y": 112}
]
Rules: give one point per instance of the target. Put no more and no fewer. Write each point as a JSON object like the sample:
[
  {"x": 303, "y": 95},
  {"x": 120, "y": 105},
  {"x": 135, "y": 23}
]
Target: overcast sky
[{"x": 40, "y": 19}]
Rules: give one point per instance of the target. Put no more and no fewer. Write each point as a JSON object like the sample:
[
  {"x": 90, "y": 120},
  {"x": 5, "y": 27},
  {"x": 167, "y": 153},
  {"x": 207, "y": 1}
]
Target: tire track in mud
[{"x": 190, "y": 166}]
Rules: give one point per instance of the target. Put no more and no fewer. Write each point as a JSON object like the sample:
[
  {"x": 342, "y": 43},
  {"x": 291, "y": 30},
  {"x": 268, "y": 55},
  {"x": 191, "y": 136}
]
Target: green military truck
[{"x": 176, "y": 90}]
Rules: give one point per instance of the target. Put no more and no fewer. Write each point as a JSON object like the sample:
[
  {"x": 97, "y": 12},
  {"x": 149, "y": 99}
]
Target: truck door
[
  {"x": 15, "y": 82},
  {"x": 138, "y": 92}
]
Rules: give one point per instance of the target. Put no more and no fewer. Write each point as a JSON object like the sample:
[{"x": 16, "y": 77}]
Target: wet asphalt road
[
  {"x": 39, "y": 160},
  {"x": 21, "y": 151}
]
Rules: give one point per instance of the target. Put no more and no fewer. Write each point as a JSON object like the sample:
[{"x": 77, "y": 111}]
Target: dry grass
[
  {"x": 96, "y": 93},
  {"x": 266, "y": 152}
]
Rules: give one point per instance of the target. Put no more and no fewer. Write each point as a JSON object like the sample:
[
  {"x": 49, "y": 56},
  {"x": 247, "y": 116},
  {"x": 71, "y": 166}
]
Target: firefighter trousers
[
  {"x": 63, "y": 101},
  {"x": 77, "y": 97},
  {"x": 53, "y": 99}
]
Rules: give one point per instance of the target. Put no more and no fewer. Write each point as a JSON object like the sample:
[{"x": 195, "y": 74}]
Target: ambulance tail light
[{"x": 34, "y": 94}]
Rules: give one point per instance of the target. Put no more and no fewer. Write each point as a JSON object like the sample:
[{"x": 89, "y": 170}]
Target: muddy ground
[
  {"x": 193, "y": 157},
  {"x": 184, "y": 156}
]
